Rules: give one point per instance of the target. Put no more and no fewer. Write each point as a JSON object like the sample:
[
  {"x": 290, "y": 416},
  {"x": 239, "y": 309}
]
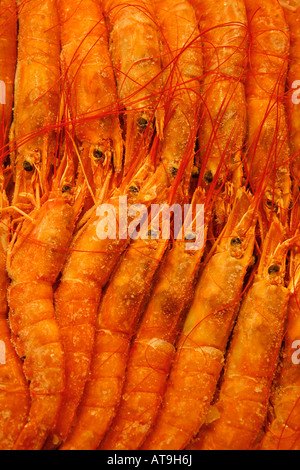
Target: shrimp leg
[{"x": 200, "y": 351}]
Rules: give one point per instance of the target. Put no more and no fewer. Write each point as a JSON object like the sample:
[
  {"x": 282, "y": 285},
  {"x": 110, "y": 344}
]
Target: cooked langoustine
[
  {"x": 14, "y": 394},
  {"x": 268, "y": 154},
  {"x": 89, "y": 86},
  {"x": 201, "y": 347},
  {"x": 135, "y": 50},
  {"x": 240, "y": 410},
  {"x": 224, "y": 33},
  {"x": 292, "y": 13},
  {"x": 120, "y": 310},
  {"x": 283, "y": 430},
  {"x": 37, "y": 99},
  {"x": 90, "y": 262},
  {"x": 182, "y": 77},
  {"x": 153, "y": 349},
  {"x": 35, "y": 259},
  {"x": 8, "y": 61}
]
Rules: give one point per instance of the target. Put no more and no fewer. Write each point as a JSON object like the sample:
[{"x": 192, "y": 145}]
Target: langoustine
[
  {"x": 182, "y": 63},
  {"x": 153, "y": 348},
  {"x": 35, "y": 259},
  {"x": 89, "y": 86},
  {"x": 135, "y": 50},
  {"x": 239, "y": 412},
  {"x": 14, "y": 394},
  {"x": 225, "y": 38},
  {"x": 89, "y": 265},
  {"x": 8, "y": 60},
  {"x": 282, "y": 428},
  {"x": 268, "y": 152},
  {"x": 120, "y": 310},
  {"x": 37, "y": 100},
  {"x": 292, "y": 14},
  {"x": 201, "y": 347}
]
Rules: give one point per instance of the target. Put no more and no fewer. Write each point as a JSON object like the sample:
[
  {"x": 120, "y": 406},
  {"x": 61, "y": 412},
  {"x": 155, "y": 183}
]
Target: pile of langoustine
[{"x": 143, "y": 344}]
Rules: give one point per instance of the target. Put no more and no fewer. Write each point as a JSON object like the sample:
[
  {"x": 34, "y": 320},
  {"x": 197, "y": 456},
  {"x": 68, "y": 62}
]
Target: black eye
[
  {"x": 153, "y": 234},
  {"x": 27, "y": 166},
  {"x": 174, "y": 171},
  {"x": 66, "y": 188},
  {"x": 196, "y": 173},
  {"x": 98, "y": 155},
  {"x": 142, "y": 123},
  {"x": 271, "y": 204},
  {"x": 274, "y": 269},
  {"x": 236, "y": 241},
  {"x": 208, "y": 176},
  {"x": 134, "y": 189},
  {"x": 190, "y": 236},
  {"x": 6, "y": 162}
]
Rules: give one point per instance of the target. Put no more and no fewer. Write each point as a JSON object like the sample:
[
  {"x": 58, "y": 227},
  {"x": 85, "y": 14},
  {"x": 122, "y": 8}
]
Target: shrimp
[
  {"x": 119, "y": 313},
  {"x": 224, "y": 33},
  {"x": 182, "y": 76},
  {"x": 14, "y": 395},
  {"x": 239, "y": 413},
  {"x": 135, "y": 50},
  {"x": 8, "y": 60},
  {"x": 200, "y": 351},
  {"x": 37, "y": 99},
  {"x": 90, "y": 262},
  {"x": 90, "y": 85},
  {"x": 152, "y": 351},
  {"x": 283, "y": 431},
  {"x": 35, "y": 259},
  {"x": 292, "y": 13},
  {"x": 268, "y": 152}
]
